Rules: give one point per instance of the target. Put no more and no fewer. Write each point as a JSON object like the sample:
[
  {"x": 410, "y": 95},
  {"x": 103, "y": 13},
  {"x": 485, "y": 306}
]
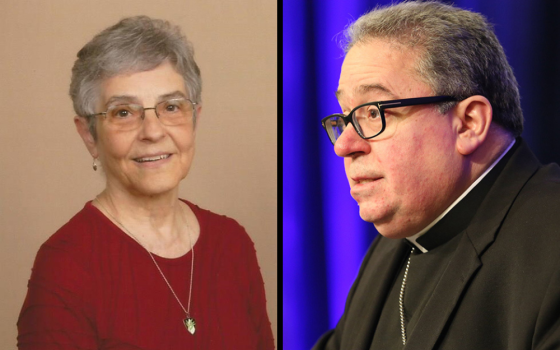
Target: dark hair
[{"x": 460, "y": 55}]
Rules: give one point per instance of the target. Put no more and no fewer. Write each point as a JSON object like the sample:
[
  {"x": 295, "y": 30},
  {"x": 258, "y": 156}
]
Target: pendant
[{"x": 190, "y": 323}]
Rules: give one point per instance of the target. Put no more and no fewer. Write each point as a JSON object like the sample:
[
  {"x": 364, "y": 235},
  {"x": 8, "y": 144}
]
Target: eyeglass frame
[
  {"x": 143, "y": 115},
  {"x": 381, "y": 106}
]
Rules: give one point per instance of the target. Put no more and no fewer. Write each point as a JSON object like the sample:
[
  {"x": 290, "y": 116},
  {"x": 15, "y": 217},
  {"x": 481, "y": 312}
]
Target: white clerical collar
[{"x": 413, "y": 239}]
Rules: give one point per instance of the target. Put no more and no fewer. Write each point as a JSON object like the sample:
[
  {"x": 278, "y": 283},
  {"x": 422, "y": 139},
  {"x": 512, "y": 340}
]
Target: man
[{"x": 469, "y": 246}]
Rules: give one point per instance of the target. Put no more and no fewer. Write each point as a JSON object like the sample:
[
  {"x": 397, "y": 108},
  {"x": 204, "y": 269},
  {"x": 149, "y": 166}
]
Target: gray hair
[
  {"x": 460, "y": 55},
  {"x": 134, "y": 44}
]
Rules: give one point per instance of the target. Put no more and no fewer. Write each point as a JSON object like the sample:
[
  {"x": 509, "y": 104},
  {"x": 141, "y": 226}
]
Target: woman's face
[{"x": 154, "y": 158}]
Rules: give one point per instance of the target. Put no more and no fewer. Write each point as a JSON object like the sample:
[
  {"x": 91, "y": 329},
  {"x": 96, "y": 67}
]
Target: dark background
[{"x": 324, "y": 239}]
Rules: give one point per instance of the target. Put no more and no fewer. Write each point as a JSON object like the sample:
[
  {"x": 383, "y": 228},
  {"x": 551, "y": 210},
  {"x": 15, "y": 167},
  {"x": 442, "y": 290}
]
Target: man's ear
[
  {"x": 82, "y": 126},
  {"x": 474, "y": 116}
]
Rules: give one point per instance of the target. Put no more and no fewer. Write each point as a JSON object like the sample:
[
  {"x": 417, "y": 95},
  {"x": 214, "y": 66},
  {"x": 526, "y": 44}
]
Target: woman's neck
[{"x": 159, "y": 223}]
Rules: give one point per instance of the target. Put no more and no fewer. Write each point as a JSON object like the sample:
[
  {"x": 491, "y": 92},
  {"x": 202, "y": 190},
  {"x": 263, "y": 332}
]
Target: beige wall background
[{"x": 45, "y": 170}]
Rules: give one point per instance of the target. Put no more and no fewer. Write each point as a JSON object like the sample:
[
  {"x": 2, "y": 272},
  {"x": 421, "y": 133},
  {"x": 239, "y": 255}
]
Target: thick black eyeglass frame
[{"x": 382, "y": 105}]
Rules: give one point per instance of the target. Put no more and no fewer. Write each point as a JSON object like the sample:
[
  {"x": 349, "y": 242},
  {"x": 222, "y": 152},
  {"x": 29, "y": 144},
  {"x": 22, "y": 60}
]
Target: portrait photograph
[
  {"x": 420, "y": 182},
  {"x": 138, "y": 177}
]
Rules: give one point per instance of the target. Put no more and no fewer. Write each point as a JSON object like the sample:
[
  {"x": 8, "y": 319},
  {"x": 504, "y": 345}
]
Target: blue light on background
[{"x": 324, "y": 239}]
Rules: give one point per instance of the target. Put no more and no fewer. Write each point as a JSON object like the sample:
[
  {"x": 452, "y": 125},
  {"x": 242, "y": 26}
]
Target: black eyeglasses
[{"x": 368, "y": 119}]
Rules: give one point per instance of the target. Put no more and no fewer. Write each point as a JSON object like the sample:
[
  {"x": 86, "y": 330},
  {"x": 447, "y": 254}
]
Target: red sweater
[{"x": 94, "y": 287}]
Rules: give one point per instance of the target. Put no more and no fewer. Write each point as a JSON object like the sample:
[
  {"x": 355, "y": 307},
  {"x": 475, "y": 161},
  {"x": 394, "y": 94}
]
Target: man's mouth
[
  {"x": 152, "y": 159},
  {"x": 363, "y": 181}
]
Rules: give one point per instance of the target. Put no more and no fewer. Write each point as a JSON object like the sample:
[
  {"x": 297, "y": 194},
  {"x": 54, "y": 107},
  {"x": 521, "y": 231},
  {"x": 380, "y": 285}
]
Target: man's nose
[{"x": 350, "y": 143}]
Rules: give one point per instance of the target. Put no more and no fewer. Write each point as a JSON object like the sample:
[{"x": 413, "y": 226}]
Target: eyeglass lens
[
  {"x": 172, "y": 112},
  {"x": 367, "y": 121}
]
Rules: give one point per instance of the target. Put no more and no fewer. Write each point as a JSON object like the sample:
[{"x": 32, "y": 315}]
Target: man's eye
[{"x": 373, "y": 113}]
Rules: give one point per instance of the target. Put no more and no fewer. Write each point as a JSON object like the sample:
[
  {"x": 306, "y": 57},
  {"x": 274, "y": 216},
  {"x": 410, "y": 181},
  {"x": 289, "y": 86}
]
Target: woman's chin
[
  {"x": 152, "y": 188},
  {"x": 160, "y": 190}
]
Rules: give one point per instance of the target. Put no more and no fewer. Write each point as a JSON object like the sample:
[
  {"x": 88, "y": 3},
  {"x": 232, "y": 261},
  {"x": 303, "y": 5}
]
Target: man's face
[{"x": 405, "y": 177}]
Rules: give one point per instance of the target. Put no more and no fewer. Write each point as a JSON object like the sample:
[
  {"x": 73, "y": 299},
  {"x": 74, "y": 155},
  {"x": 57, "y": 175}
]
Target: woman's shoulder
[
  {"x": 218, "y": 227},
  {"x": 80, "y": 236},
  {"x": 207, "y": 217},
  {"x": 65, "y": 258}
]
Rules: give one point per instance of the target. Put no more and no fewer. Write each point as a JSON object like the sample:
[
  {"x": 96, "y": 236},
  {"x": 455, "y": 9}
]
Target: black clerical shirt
[{"x": 439, "y": 243}]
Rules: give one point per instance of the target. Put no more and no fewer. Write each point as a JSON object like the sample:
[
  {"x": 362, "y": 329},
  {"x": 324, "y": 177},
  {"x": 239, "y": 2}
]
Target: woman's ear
[
  {"x": 82, "y": 126},
  {"x": 197, "y": 113},
  {"x": 474, "y": 115}
]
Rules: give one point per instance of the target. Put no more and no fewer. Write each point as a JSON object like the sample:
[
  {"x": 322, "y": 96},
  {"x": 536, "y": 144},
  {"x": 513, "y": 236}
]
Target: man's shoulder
[
  {"x": 539, "y": 198},
  {"x": 530, "y": 230},
  {"x": 545, "y": 182},
  {"x": 526, "y": 192}
]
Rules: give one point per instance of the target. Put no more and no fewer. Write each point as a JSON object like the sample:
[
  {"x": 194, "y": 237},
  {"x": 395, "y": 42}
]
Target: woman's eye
[{"x": 123, "y": 113}]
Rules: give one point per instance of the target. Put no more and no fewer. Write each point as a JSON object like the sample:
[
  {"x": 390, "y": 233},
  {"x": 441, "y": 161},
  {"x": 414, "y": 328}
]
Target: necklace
[
  {"x": 188, "y": 321},
  {"x": 401, "y": 299}
]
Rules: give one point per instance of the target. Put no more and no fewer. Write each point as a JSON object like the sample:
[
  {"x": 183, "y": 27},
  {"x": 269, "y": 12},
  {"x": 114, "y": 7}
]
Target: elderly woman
[{"x": 137, "y": 267}]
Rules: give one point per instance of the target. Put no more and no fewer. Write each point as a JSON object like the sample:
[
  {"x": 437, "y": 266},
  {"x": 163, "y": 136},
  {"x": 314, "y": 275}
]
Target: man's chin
[
  {"x": 384, "y": 222},
  {"x": 367, "y": 214},
  {"x": 372, "y": 211}
]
